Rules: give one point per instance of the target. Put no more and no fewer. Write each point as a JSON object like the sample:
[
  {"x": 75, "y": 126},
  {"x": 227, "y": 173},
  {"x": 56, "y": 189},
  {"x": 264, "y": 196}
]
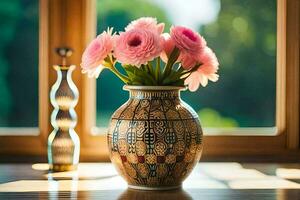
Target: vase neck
[
  {"x": 64, "y": 70},
  {"x": 151, "y": 94}
]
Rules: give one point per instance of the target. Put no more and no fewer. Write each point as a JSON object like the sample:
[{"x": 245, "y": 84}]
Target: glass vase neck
[{"x": 64, "y": 67}]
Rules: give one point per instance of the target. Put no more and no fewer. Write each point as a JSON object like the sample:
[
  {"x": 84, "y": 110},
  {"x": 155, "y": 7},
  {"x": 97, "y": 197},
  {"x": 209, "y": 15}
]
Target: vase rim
[{"x": 154, "y": 87}]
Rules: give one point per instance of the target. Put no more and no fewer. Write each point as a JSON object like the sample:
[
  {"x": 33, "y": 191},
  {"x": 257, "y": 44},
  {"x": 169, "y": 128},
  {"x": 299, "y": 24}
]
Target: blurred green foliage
[
  {"x": 211, "y": 118},
  {"x": 244, "y": 39},
  {"x": 118, "y": 13},
  {"x": 19, "y": 63}
]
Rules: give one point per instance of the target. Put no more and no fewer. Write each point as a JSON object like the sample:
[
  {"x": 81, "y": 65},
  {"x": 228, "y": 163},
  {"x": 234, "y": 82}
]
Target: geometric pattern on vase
[{"x": 155, "y": 139}]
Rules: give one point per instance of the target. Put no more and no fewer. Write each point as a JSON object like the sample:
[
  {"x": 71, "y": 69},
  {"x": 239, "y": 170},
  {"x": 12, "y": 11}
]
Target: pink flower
[
  {"x": 148, "y": 23},
  {"x": 168, "y": 46},
  {"x": 188, "y": 61},
  {"x": 92, "y": 61},
  {"x": 190, "y": 44},
  {"x": 207, "y": 71},
  {"x": 137, "y": 46}
]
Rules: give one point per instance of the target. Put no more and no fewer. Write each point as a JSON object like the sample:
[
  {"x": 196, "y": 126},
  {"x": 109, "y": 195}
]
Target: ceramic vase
[{"x": 154, "y": 139}]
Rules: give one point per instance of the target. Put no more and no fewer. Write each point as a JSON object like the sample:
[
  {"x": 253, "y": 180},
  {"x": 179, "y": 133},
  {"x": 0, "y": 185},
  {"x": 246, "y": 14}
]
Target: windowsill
[
  {"x": 99, "y": 178},
  {"x": 20, "y": 131}
]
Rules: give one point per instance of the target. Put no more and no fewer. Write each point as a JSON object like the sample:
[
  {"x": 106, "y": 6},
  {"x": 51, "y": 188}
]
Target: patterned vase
[{"x": 155, "y": 139}]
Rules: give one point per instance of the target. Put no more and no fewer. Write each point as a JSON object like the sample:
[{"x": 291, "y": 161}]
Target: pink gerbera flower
[
  {"x": 148, "y": 23},
  {"x": 190, "y": 44},
  {"x": 207, "y": 71},
  {"x": 137, "y": 46},
  {"x": 168, "y": 46},
  {"x": 93, "y": 57}
]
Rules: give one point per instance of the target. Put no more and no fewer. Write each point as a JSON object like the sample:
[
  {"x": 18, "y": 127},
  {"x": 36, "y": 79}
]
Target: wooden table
[{"x": 100, "y": 181}]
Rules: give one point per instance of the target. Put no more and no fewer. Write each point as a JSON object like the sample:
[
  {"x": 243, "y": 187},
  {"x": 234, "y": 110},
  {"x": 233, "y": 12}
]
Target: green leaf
[
  {"x": 144, "y": 75},
  {"x": 179, "y": 82},
  {"x": 151, "y": 70},
  {"x": 148, "y": 78},
  {"x": 157, "y": 70},
  {"x": 172, "y": 59}
]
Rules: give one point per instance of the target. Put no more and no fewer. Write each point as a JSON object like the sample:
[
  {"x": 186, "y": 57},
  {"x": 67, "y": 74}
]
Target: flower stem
[
  {"x": 110, "y": 64},
  {"x": 184, "y": 72},
  {"x": 173, "y": 58},
  {"x": 123, "y": 78}
]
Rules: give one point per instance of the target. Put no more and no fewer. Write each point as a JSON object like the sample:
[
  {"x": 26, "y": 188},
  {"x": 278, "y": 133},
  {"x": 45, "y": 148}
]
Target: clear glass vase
[{"x": 63, "y": 142}]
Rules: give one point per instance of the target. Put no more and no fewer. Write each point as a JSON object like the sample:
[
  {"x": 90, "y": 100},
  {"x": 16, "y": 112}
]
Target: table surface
[{"x": 101, "y": 181}]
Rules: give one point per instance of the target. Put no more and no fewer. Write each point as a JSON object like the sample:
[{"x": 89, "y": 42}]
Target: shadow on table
[{"x": 131, "y": 194}]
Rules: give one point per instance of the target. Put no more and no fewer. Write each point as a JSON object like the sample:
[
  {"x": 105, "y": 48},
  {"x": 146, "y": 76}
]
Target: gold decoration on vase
[
  {"x": 154, "y": 139},
  {"x": 63, "y": 142}
]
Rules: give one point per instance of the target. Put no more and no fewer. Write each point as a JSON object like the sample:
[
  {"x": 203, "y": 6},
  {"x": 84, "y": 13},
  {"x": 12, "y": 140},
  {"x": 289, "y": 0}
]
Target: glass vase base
[{"x": 62, "y": 167}]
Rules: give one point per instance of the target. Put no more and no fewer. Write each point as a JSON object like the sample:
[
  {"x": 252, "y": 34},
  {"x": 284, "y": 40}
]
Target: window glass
[
  {"x": 243, "y": 35},
  {"x": 19, "y": 63}
]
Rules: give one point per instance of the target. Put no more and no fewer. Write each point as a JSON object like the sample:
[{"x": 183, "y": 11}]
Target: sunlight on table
[{"x": 103, "y": 176}]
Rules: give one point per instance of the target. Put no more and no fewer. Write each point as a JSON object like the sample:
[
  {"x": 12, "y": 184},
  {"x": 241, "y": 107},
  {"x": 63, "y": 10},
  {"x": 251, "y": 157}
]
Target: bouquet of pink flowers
[{"x": 151, "y": 57}]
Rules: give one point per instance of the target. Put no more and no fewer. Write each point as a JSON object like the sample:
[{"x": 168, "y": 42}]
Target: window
[
  {"x": 243, "y": 35},
  {"x": 19, "y": 24},
  {"x": 261, "y": 105}
]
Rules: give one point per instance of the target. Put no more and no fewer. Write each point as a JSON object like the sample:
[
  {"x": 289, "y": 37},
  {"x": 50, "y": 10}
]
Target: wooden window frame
[
  {"x": 30, "y": 141},
  {"x": 73, "y": 23}
]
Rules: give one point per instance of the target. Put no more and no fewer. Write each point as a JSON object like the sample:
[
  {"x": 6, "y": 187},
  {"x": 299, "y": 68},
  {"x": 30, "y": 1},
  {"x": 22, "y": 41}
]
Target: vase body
[
  {"x": 154, "y": 139},
  {"x": 63, "y": 142}
]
